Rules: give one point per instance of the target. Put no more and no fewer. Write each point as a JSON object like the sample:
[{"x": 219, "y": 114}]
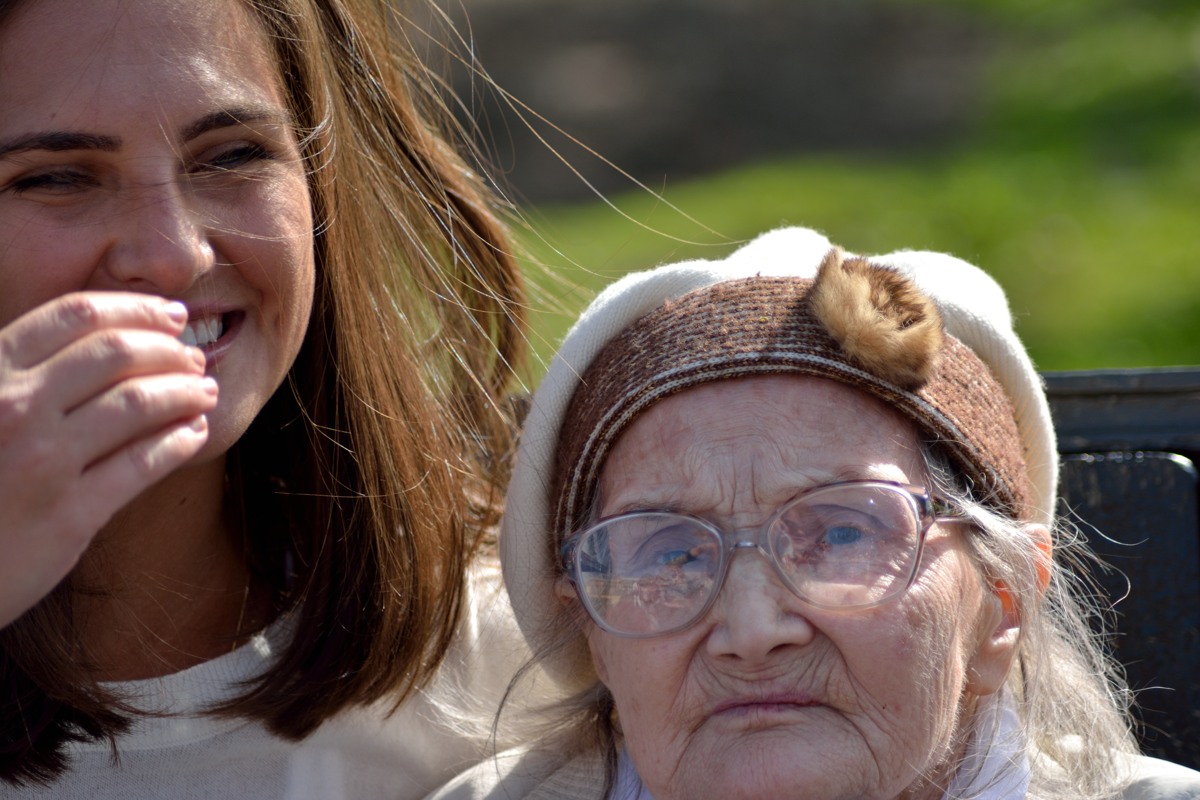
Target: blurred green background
[{"x": 1076, "y": 184}]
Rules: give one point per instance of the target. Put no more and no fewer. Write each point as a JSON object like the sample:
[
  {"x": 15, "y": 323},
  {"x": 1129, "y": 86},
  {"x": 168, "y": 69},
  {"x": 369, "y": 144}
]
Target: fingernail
[
  {"x": 199, "y": 424},
  {"x": 198, "y": 357},
  {"x": 177, "y": 312},
  {"x": 209, "y": 385}
]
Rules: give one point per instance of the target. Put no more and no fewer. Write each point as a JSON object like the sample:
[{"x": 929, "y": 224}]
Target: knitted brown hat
[{"x": 858, "y": 323}]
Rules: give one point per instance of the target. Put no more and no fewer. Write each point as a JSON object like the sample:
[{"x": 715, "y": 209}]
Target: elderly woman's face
[
  {"x": 145, "y": 146},
  {"x": 766, "y": 696}
]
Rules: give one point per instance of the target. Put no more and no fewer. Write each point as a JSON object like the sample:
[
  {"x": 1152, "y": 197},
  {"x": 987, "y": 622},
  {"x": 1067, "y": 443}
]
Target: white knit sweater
[{"x": 359, "y": 755}]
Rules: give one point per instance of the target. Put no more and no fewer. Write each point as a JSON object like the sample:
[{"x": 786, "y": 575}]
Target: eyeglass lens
[{"x": 840, "y": 546}]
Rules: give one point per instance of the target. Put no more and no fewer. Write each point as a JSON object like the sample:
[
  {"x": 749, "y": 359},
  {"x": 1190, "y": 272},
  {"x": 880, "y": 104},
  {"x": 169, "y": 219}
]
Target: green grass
[
  {"x": 1079, "y": 192},
  {"x": 1099, "y": 264}
]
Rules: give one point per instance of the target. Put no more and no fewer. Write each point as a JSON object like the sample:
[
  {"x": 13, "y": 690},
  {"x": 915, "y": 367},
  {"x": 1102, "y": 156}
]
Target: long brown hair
[{"x": 372, "y": 472}]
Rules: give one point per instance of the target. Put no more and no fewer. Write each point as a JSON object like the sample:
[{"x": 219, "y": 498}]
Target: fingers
[
  {"x": 132, "y": 380},
  {"x": 123, "y": 416},
  {"x": 44, "y": 462},
  {"x": 47, "y": 329},
  {"x": 98, "y": 401},
  {"x": 121, "y": 475},
  {"x": 41, "y": 550},
  {"x": 99, "y": 360},
  {"x": 43, "y": 453}
]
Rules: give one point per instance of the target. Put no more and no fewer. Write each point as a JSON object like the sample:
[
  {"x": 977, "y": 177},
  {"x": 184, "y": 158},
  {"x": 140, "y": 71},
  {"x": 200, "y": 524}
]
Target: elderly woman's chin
[
  {"x": 786, "y": 761},
  {"x": 780, "y": 753}
]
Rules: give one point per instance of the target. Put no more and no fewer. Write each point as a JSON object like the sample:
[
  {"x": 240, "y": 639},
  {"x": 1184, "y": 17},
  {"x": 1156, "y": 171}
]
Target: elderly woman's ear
[
  {"x": 567, "y": 596},
  {"x": 1000, "y": 626}
]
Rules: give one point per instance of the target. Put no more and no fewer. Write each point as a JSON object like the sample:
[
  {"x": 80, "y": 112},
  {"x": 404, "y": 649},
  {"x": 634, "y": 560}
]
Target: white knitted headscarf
[{"x": 974, "y": 310}]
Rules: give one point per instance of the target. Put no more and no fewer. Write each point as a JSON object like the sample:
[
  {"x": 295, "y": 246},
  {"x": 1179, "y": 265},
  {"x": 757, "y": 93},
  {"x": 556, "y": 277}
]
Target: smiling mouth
[{"x": 203, "y": 331}]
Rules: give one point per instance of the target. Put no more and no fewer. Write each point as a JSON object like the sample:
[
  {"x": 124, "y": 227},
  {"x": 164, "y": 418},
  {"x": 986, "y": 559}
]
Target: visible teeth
[{"x": 204, "y": 331}]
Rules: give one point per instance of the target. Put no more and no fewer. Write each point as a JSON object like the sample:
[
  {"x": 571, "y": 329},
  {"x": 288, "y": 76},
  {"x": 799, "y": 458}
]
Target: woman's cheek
[
  {"x": 649, "y": 681},
  {"x": 40, "y": 265}
]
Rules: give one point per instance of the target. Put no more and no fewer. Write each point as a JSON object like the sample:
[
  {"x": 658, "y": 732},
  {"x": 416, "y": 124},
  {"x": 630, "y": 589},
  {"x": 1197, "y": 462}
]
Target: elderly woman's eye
[
  {"x": 672, "y": 546},
  {"x": 676, "y": 558},
  {"x": 841, "y": 535},
  {"x": 844, "y": 526}
]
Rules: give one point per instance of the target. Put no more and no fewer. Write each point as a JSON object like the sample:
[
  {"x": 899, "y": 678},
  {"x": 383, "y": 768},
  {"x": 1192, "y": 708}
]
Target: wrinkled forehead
[{"x": 752, "y": 441}]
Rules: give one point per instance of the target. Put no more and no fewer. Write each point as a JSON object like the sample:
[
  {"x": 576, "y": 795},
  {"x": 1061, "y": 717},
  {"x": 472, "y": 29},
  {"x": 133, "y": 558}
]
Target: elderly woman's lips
[
  {"x": 746, "y": 715},
  {"x": 769, "y": 704}
]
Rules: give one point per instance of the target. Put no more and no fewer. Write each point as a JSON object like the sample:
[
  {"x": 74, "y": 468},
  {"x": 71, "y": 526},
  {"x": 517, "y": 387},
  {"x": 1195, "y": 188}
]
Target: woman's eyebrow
[
  {"x": 864, "y": 472},
  {"x": 237, "y": 115},
  {"x": 63, "y": 141},
  {"x": 58, "y": 142}
]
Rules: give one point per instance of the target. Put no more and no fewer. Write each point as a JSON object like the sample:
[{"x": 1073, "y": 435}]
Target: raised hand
[{"x": 98, "y": 401}]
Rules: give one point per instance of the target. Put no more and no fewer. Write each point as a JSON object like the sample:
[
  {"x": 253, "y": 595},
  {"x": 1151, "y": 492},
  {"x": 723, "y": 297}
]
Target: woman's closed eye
[
  {"x": 237, "y": 158},
  {"x": 55, "y": 181},
  {"x": 66, "y": 180}
]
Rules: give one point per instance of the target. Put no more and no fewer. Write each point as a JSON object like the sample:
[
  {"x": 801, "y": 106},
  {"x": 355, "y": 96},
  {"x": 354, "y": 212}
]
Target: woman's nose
[
  {"x": 755, "y": 614},
  {"x": 159, "y": 243}
]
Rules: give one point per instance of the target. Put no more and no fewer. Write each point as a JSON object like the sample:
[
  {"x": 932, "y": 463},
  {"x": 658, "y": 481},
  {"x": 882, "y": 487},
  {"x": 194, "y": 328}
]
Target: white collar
[
  {"x": 996, "y": 766},
  {"x": 628, "y": 785}
]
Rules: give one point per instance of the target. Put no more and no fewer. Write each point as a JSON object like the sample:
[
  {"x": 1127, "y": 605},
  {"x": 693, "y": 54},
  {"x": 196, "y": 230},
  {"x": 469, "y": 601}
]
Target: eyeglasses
[{"x": 848, "y": 545}]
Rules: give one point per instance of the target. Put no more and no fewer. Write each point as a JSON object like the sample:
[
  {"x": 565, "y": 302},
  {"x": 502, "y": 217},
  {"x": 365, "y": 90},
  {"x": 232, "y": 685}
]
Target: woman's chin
[
  {"x": 815, "y": 784},
  {"x": 227, "y": 423},
  {"x": 772, "y": 761}
]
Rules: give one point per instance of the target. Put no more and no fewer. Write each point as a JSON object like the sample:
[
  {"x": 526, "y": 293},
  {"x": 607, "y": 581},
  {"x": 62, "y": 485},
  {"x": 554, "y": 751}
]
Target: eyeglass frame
[{"x": 929, "y": 509}]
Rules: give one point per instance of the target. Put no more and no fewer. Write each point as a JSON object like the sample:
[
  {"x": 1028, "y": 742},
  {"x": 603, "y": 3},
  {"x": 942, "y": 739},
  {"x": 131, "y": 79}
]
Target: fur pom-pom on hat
[{"x": 882, "y": 321}]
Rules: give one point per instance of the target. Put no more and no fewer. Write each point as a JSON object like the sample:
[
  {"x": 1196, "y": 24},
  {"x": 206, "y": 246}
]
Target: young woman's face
[
  {"x": 145, "y": 147},
  {"x": 767, "y": 696}
]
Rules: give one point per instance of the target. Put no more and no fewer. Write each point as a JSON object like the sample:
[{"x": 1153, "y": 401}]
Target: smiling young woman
[{"x": 256, "y": 318}]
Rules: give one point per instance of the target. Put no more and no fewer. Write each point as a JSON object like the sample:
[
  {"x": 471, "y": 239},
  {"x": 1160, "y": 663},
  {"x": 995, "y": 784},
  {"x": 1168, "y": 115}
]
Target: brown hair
[{"x": 372, "y": 472}]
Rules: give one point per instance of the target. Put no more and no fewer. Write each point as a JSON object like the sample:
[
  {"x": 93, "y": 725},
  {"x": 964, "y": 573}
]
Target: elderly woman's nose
[
  {"x": 158, "y": 242},
  {"x": 755, "y": 614}
]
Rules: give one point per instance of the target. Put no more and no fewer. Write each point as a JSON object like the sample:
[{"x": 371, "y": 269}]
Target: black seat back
[{"x": 1130, "y": 443}]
